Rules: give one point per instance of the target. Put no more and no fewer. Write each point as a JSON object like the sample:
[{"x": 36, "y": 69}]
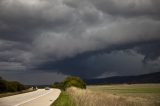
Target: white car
[{"x": 47, "y": 88}]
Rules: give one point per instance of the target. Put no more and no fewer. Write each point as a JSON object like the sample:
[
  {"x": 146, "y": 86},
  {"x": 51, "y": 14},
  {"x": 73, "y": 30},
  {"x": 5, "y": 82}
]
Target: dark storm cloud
[
  {"x": 63, "y": 35},
  {"x": 116, "y": 60},
  {"x": 129, "y": 8},
  {"x": 33, "y": 77},
  {"x": 151, "y": 51},
  {"x": 23, "y": 20}
]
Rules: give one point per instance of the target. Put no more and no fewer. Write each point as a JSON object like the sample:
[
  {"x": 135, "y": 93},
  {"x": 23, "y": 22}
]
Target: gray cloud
[
  {"x": 151, "y": 51},
  {"x": 130, "y": 8},
  {"x": 33, "y": 77},
  {"x": 36, "y": 32},
  {"x": 121, "y": 62}
]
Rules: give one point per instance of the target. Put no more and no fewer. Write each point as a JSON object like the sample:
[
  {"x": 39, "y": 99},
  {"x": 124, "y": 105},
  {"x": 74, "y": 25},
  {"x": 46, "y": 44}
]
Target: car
[{"x": 47, "y": 88}]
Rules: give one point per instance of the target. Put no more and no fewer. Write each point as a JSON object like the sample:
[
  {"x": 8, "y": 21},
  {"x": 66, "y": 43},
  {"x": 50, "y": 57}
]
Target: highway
[{"x": 40, "y": 97}]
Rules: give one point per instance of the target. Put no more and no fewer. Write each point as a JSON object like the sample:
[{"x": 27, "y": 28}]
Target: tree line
[{"x": 10, "y": 86}]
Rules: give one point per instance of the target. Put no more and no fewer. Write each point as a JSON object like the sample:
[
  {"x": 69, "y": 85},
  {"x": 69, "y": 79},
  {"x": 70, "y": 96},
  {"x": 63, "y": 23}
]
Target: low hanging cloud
[{"x": 34, "y": 33}]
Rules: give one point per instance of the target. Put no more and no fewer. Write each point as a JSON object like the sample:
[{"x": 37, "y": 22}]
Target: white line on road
[{"x": 32, "y": 99}]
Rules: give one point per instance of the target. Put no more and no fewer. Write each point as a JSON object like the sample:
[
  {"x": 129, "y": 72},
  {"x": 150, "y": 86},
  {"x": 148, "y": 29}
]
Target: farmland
[
  {"x": 145, "y": 92},
  {"x": 115, "y": 95}
]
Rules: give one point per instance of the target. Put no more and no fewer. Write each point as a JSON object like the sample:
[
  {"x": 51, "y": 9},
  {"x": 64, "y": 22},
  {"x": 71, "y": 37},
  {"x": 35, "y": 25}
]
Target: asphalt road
[{"x": 41, "y": 97}]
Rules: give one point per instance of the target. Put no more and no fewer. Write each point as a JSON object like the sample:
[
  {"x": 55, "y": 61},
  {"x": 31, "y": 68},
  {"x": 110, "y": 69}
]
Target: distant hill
[{"x": 145, "y": 78}]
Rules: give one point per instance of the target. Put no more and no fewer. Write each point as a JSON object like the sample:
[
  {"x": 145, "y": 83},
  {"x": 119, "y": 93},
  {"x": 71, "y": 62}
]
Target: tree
[
  {"x": 3, "y": 85},
  {"x": 74, "y": 81},
  {"x": 10, "y": 86}
]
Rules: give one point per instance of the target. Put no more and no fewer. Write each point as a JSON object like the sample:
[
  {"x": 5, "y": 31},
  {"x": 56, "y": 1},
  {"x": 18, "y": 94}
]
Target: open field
[
  {"x": 111, "y": 95},
  {"x": 92, "y": 98},
  {"x": 146, "y": 91},
  {"x": 114, "y": 95}
]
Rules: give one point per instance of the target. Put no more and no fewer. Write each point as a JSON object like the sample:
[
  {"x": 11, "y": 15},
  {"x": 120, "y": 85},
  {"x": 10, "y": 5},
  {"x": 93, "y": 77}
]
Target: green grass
[
  {"x": 146, "y": 91},
  {"x": 135, "y": 88},
  {"x": 63, "y": 100}
]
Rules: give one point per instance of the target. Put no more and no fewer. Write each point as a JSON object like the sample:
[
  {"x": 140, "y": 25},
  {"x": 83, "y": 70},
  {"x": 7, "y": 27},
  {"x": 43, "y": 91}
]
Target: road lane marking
[{"x": 32, "y": 99}]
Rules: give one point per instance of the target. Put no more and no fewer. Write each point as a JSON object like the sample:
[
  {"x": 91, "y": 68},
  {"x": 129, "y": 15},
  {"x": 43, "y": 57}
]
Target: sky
[{"x": 43, "y": 41}]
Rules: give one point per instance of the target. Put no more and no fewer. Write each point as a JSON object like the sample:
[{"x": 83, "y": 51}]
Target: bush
[
  {"x": 69, "y": 82},
  {"x": 74, "y": 81}
]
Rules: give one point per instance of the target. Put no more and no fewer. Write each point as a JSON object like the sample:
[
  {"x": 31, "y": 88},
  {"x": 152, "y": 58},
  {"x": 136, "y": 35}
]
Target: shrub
[{"x": 74, "y": 81}]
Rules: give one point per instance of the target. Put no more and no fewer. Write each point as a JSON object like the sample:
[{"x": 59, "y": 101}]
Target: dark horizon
[{"x": 43, "y": 41}]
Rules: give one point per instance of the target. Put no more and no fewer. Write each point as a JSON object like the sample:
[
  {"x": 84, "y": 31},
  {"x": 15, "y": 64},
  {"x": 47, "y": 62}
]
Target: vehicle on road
[{"x": 47, "y": 88}]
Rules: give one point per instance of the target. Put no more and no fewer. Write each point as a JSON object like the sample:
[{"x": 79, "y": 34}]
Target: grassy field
[
  {"x": 145, "y": 91},
  {"x": 111, "y": 95}
]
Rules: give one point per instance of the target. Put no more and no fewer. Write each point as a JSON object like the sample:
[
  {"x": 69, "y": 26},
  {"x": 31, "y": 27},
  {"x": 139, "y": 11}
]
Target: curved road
[{"x": 40, "y": 97}]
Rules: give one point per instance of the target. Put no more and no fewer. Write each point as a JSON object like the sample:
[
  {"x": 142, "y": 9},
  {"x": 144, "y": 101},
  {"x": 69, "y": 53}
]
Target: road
[{"x": 41, "y": 97}]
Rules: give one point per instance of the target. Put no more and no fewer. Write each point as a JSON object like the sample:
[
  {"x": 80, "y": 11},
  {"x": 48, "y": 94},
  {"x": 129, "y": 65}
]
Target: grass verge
[{"x": 63, "y": 100}]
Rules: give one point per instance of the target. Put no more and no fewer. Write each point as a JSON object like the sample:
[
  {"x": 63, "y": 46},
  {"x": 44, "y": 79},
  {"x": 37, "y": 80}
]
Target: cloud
[
  {"x": 121, "y": 62},
  {"x": 37, "y": 32},
  {"x": 130, "y": 8},
  {"x": 33, "y": 77},
  {"x": 150, "y": 50}
]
